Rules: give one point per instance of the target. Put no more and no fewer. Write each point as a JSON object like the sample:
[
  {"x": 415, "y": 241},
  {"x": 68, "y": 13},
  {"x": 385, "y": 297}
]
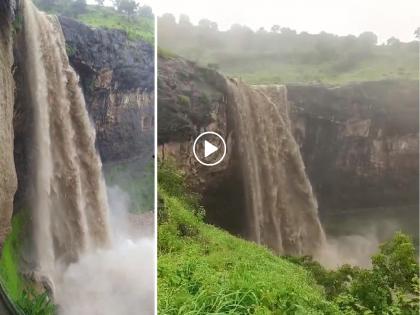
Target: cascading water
[
  {"x": 89, "y": 267},
  {"x": 70, "y": 204},
  {"x": 282, "y": 209}
]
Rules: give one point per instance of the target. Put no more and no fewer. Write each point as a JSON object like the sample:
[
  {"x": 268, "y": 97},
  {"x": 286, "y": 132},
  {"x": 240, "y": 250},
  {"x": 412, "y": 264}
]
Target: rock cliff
[
  {"x": 117, "y": 76},
  {"x": 8, "y": 181},
  {"x": 359, "y": 142}
]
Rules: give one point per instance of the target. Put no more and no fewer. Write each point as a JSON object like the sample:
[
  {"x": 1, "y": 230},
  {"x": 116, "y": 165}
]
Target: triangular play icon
[{"x": 209, "y": 148}]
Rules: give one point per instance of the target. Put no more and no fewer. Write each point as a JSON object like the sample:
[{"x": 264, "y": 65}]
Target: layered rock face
[
  {"x": 8, "y": 182},
  {"x": 191, "y": 100},
  {"x": 359, "y": 142},
  {"x": 117, "y": 76}
]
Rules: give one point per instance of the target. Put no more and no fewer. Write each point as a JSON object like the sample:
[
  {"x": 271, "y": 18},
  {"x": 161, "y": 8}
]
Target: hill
[{"x": 282, "y": 55}]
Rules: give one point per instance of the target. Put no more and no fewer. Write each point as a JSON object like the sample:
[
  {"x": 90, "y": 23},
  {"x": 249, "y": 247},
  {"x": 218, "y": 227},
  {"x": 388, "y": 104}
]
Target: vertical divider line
[{"x": 156, "y": 161}]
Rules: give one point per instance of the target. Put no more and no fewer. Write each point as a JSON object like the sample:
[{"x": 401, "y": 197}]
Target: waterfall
[
  {"x": 70, "y": 212},
  {"x": 282, "y": 209}
]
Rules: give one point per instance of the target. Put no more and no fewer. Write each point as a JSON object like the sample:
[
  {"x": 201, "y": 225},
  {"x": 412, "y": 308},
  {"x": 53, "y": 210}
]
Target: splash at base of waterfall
[{"x": 113, "y": 281}]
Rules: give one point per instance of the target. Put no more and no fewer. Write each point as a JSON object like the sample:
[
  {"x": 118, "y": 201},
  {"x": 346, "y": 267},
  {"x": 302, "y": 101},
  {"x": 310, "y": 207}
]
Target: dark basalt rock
[
  {"x": 359, "y": 142},
  {"x": 98, "y": 49},
  {"x": 117, "y": 76}
]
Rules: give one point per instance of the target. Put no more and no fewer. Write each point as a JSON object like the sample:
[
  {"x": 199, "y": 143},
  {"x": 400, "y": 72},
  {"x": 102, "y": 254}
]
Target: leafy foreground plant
[
  {"x": 391, "y": 286},
  {"x": 33, "y": 303},
  {"x": 204, "y": 270},
  {"x": 25, "y": 298}
]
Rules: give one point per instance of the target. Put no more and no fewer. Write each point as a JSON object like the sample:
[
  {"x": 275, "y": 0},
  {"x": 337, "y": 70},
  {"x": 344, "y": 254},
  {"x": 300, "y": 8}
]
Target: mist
[
  {"x": 118, "y": 280},
  {"x": 357, "y": 248}
]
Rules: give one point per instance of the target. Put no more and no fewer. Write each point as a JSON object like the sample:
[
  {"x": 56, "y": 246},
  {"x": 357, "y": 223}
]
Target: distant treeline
[
  {"x": 127, "y": 15},
  {"x": 257, "y": 55},
  {"x": 74, "y": 8}
]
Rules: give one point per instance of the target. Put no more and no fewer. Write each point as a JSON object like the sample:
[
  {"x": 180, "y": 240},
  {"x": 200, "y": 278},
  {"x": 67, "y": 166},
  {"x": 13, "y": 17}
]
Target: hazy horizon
[{"x": 340, "y": 18}]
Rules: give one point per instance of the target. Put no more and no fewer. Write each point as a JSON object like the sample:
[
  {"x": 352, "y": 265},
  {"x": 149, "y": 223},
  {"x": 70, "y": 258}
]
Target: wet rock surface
[
  {"x": 359, "y": 142},
  {"x": 7, "y": 167},
  {"x": 117, "y": 76}
]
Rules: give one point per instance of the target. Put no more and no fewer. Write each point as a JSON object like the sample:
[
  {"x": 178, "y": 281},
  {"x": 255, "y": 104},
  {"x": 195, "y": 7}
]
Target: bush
[{"x": 391, "y": 286}]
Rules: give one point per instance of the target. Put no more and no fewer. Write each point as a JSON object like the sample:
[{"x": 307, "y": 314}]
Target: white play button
[{"x": 209, "y": 148}]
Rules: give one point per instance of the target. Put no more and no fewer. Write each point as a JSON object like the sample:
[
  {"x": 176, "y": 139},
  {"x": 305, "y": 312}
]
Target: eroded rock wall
[
  {"x": 360, "y": 142},
  {"x": 192, "y": 100},
  {"x": 8, "y": 182},
  {"x": 117, "y": 76}
]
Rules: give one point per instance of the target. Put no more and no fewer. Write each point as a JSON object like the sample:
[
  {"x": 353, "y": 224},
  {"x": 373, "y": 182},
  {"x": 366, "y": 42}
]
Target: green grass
[
  {"x": 383, "y": 65},
  {"x": 137, "y": 28},
  {"x": 204, "y": 270},
  {"x": 9, "y": 261},
  {"x": 22, "y": 292}
]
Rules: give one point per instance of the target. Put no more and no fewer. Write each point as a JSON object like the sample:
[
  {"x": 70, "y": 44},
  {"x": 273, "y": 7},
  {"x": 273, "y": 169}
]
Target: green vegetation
[
  {"x": 391, "y": 286},
  {"x": 136, "y": 27},
  {"x": 281, "y": 55},
  {"x": 204, "y": 270},
  {"x": 166, "y": 54},
  {"x": 384, "y": 64},
  {"x": 20, "y": 290},
  {"x": 70, "y": 50},
  {"x": 184, "y": 100},
  {"x": 138, "y": 24},
  {"x": 9, "y": 261},
  {"x": 137, "y": 180}
]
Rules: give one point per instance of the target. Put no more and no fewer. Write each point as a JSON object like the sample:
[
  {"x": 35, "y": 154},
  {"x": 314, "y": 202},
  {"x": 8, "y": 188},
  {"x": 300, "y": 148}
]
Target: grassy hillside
[
  {"x": 383, "y": 65},
  {"x": 284, "y": 56},
  {"x": 138, "y": 27},
  {"x": 204, "y": 270}
]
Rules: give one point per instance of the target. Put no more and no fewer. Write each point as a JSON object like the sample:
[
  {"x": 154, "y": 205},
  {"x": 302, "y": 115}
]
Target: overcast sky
[{"x": 386, "y": 18}]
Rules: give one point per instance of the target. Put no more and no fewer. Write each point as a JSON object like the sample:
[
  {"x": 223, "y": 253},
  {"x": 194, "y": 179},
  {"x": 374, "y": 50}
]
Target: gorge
[
  {"x": 69, "y": 221},
  {"x": 359, "y": 144}
]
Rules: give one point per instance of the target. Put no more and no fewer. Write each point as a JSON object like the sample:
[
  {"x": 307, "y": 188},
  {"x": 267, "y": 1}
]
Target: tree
[
  {"x": 368, "y": 38},
  {"x": 76, "y": 8},
  {"x": 417, "y": 33},
  {"x": 261, "y": 30},
  {"x": 206, "y": 24},
  {"x": 393, "y": 41},
  {"x": 391, "y": 286},
  {"x": 167, "y": 18},
  {"x": 287, "y": 31},
  {"x": 275, "y": 28},
  {"x": 146, "y": 11},
  {"x": 184, "y": 20},
  {"x": 128, "y": 7}
]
